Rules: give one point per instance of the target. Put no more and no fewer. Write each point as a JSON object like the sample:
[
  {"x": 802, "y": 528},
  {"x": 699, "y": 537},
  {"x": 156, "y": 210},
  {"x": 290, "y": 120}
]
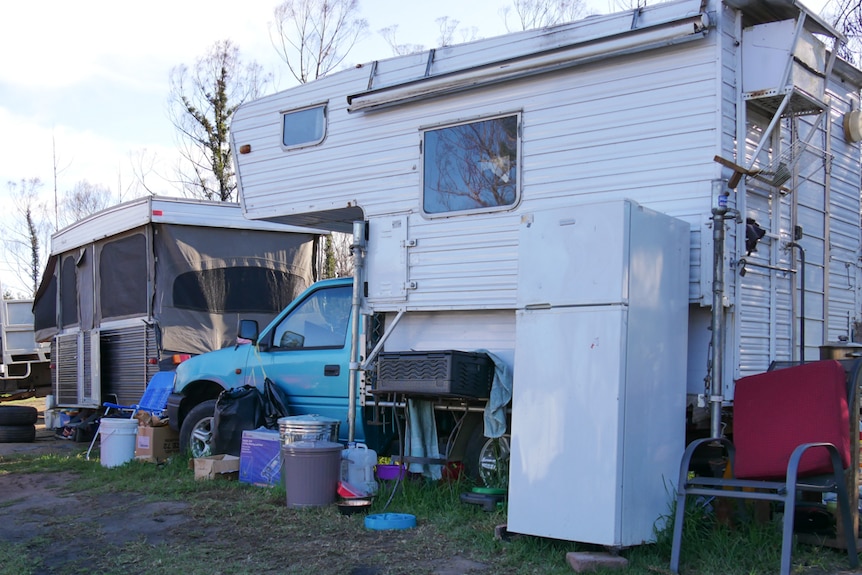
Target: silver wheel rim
[
  {"x": 494, "y": 462},
  {"x": 200, "y": 441}
]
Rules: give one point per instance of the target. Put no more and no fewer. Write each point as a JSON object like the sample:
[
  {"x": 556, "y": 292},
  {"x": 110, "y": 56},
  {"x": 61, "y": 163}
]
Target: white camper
[
  {"x": 501, "y": 192},
  {"x": 24, "y": 370},
  {"x": 136, "y": 288}
]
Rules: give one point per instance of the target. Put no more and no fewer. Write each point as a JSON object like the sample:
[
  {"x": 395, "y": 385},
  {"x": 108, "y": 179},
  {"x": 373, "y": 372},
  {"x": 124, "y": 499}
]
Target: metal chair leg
[
  {"x": 787, "y": 529},
  {"x": 679, "y": 516},
  {"x": 847, "y": 521}
]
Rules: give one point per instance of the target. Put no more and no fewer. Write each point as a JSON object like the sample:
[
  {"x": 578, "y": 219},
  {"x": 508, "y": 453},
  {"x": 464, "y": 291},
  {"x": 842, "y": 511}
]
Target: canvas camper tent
[
  {"x": 464, "y": 173},
  {"x": 128, "y": 287}
]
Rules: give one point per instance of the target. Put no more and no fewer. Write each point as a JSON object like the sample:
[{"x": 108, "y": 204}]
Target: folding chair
[
  {"x": 791, "y": 432},
  {"x": 155, "y": 398},
  {"x": 154, "y": 401}
]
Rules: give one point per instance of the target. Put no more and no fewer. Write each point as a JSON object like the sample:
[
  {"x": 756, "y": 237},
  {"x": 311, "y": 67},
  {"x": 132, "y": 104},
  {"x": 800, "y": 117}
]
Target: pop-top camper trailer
[
  {"x": 629, "y": 212},
  {"x": 133, "y": 288}
]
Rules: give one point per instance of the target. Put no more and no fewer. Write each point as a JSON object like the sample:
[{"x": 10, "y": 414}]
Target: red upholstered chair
[{"x": 791, "y": 433}]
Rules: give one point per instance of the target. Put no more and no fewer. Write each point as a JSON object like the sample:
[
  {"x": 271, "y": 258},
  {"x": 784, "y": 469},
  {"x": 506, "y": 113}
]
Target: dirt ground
[{"x": 68, "y": 530}]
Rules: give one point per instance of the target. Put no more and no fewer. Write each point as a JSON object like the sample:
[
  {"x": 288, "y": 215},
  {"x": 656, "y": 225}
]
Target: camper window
[
  {"x": 303, "y": 127},
  {"x": 233, "y": 290},
  {"x": 68, "y": 291},
  {"x": 471, "y": 167}
]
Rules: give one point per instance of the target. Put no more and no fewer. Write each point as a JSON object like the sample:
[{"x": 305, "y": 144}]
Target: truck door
[{"x": 307, "y": 354}]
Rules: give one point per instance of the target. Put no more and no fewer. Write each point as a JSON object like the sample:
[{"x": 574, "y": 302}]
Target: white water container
[
  {"x": 118, "y": 440},
  {"x": 357, "y": 467}
]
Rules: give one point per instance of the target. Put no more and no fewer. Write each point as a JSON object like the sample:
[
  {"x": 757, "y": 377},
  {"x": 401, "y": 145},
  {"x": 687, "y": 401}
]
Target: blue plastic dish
[{"x": 390, "y": 521}]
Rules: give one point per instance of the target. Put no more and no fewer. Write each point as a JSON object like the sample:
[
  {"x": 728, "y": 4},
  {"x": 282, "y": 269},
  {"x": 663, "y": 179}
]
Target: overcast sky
[{"x": 90, "y": 78}]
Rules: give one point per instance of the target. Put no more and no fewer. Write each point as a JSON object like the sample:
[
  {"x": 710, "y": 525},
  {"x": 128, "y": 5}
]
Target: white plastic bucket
[{"x": 117, "y": 440}]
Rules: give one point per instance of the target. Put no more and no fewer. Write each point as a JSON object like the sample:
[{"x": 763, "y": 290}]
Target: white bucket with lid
[{"x": 117, "y": 440}]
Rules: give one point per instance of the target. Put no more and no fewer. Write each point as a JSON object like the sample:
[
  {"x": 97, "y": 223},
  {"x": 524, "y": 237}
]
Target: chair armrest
[
  {"x": 685, "y": 465},
  {"x": 799, "y": 451}
]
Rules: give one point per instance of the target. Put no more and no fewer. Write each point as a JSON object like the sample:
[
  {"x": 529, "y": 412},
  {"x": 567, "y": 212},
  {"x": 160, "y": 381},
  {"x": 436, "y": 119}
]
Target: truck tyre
[
  {"x": 196, "y": 433},
  {"x": 486, "y": 460},
  {"x": 17, "y": 433},
  {"x": 18, "y": 415}
]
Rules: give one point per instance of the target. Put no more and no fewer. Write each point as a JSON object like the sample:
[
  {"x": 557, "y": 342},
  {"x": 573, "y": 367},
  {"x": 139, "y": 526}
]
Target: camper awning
[{"x": 574, "y": 44}]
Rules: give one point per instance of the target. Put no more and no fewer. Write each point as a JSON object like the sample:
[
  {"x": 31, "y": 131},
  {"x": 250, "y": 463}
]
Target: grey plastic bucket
[
  {"x": 307, "y": 428},
  {"x": 311, "y": 470}
]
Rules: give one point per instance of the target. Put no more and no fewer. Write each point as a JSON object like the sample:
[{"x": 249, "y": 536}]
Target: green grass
[{"x": 236, "y": 529}]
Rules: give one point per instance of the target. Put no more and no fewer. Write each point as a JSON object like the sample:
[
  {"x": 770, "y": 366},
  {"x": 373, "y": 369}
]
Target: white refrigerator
[{"x": 598, "y": 407}]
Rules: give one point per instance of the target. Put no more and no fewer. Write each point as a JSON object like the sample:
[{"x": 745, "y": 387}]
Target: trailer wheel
[
  {"x": 18, "y": 415},
  {"x": 17, "y": 433},
  {"x": 196, "y": 433}
]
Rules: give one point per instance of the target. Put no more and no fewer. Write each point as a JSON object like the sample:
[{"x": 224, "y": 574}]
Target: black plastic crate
[{"x": 455, "y": 373}]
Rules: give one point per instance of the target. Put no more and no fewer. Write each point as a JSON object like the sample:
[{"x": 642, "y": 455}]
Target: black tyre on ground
[
  {"x": 17, "y": 433},
  {"x": 18, "y": 415},
  {"x": 196, "y": 433}
]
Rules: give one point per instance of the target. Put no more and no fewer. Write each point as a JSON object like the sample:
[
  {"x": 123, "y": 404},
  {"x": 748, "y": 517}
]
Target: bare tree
[
  {"x": 202, "y": 102},
  {"x": 847, "y": 18},
  {"x": 389, "y": 34},
  {"x": 143, "y": 164},
  {"x": 448, "y": 33},
  {"x": 83, "y": 200},
  {"x": 531, "y": 14},
  {"x": 25, "y": 252},
  {"x": 448, "y": 30},
  {"x": 313, "y": 37}
]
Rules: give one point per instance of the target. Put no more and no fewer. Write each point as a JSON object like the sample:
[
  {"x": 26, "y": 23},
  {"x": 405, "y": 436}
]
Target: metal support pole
[
  {"x": 801, "y": 299},
  {"x": 358, "y": 250},
  {"x": 719, "y": 213}
]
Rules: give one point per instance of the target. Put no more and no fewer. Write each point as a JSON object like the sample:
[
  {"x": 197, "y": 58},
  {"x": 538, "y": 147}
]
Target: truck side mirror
[{"x": 247, "y": 330}]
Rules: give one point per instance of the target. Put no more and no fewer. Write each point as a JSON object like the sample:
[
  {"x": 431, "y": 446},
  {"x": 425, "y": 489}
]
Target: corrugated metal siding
[
  {"x": 768, "y": 321},
  {"x": 65, "y": 373},
  {"x": 75, "y": 381},
  {"x": 844, "y": 247},
  {"x": 763, "y": 310},
  {"x": 125, "y": 369},
  {"x": 641, "y": 127}
]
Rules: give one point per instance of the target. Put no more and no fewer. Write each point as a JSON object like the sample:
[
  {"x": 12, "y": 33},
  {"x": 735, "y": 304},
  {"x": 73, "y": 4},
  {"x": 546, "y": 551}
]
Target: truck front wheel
[{"x": 196, "y": 433}]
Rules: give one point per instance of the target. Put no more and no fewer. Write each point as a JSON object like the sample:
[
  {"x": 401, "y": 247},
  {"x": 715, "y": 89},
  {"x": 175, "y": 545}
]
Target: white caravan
[{"x": 500, "y": 192}]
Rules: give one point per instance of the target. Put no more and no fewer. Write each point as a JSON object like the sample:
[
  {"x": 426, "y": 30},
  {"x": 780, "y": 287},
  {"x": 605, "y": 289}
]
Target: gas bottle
[{"x": 357, "y": 467}]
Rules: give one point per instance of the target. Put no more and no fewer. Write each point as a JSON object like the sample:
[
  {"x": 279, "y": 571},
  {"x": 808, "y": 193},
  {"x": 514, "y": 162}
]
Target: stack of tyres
[{"x": 17, "y": 423}]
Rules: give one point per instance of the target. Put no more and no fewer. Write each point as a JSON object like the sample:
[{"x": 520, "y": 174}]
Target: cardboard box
[
  {"x": 216, "y": 467},
  {"x": 156, "y": 444},
  {"x": 260, "y": 457}
]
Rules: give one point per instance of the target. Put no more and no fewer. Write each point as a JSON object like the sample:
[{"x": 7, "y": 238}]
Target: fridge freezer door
[
  {"x": 565, "y": 470},
  {"x": 575, "y": 255}
]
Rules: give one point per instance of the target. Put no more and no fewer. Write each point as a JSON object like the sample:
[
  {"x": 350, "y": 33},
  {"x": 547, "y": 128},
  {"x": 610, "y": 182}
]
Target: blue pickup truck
[{"x": 305, "y": 350}]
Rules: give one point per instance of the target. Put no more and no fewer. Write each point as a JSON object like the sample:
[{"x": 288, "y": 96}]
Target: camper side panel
[{"x": 644, "y": 127}]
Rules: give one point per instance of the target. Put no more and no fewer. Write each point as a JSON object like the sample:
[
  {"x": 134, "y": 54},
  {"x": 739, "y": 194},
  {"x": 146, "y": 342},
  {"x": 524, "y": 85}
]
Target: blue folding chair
[
  {"x": 155, "y": 398},
  {"x": 154, "y": 401}
]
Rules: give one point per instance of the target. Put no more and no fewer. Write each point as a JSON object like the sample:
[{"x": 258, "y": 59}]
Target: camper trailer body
[
  {"x": 498, "y": 191},
  {"x": 134, "y": 288}
]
